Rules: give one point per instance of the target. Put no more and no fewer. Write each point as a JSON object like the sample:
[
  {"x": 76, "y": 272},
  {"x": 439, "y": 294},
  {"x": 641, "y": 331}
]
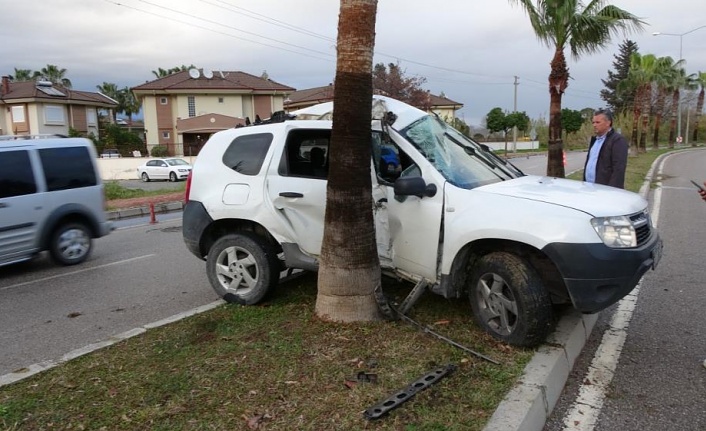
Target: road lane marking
[
  {"x": 585, "y": 411},
  {"x": 120, "y": 262}
]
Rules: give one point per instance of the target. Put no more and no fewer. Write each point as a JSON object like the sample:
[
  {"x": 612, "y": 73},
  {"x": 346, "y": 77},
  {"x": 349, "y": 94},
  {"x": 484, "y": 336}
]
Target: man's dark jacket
[{"x": 612, "y": 159}]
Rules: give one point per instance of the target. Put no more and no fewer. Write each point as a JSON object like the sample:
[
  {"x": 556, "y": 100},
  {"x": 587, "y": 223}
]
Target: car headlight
[
  {"x": 615, "y": 231},
  {"x": 183, "y": 170}
]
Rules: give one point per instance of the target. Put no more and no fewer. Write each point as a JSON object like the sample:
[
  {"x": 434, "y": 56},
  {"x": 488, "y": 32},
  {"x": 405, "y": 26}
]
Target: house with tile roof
[
  {"x": 41, "y": 107},
  {"x": 183, "y": 109},
  {"x": 440, "y": 105}
]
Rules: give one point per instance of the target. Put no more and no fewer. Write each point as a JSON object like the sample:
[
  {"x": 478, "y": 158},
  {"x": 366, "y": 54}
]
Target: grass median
[{"x": 275, "y": 366}]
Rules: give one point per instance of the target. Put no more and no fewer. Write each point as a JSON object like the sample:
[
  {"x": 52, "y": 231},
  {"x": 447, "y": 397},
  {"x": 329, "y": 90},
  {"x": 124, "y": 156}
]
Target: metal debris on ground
[{"x": 394, "y": 400}]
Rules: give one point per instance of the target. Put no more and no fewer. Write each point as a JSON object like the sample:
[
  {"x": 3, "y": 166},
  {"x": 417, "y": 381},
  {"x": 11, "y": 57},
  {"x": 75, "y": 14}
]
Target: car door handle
[{"x": 291, "y": 195}]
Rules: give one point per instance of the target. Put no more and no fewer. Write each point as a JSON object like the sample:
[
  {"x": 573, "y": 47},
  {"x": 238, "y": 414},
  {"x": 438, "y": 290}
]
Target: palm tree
[
  {"x": 131, "y": 104},
  {"x": 585, "y": 30},
  {"x": 639, "y": 79},
  {"x": 54, "y": 75},
  {"x": 111, "y": 90},
  {"x": 663, "y": 75},
  {"x": 679, "y": 80},
  {"x": 22, "y": 75},
  {"x": 349, "y": 270},
  {"x": 701, "y": 81}
]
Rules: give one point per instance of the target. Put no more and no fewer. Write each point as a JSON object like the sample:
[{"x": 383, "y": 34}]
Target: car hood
[{"x": 594, "y": 199}]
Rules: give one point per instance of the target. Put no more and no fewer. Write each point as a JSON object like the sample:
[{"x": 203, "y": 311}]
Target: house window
[
  {"x": 165, "y": 135},
  {"x": 220, "y": 100},
  {"x": 91, "y": 117},
  {"x": 163, "y": 100},
  {"x": 54, "y": 114},
  {"x": 191, "y": 100},
  {"x": 18, "y": 114}
]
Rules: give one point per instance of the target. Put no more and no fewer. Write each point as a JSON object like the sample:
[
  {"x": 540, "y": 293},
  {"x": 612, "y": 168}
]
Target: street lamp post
[{"x": 681, "y": 40}]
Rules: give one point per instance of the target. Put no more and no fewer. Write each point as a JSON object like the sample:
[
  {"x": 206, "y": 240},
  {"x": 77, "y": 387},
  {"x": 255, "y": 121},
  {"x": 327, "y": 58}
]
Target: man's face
[{"x": 601, "y": 125}]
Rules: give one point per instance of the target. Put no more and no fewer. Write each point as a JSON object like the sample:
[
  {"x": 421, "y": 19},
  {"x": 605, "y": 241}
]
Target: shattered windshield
[{"x": 460, "y": 160}]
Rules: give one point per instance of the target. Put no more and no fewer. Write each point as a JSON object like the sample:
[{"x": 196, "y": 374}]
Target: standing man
[{"x": 607, "y": 153}]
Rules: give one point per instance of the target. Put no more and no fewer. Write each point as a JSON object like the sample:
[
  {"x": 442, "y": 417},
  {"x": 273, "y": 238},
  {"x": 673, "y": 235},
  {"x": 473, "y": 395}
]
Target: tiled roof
[
  {"x": 29, "y": 90},
  {"x": 221, "y": 80}
]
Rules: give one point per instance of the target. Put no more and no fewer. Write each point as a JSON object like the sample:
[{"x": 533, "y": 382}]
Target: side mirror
[{"x": 414, "y": 186}]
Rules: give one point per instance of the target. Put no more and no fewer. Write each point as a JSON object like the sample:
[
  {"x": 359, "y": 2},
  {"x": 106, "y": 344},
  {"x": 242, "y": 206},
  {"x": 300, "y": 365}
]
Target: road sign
[{"x": 679, "y": 139}]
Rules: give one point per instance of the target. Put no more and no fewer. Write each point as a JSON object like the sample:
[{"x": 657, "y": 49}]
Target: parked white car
[
  {"x": 450, "y": 216},
  {"x": 171, "y": 169}
]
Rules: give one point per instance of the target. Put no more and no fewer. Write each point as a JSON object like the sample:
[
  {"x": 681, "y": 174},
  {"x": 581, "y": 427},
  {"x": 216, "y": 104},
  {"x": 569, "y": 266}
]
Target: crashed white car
[{"x": 450, "y": 216}]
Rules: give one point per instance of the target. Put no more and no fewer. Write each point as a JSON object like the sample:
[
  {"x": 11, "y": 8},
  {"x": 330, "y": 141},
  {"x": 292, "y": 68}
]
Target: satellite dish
[
  {"x": 207, "y": 73},
  {"x": 194, "y": 73}
]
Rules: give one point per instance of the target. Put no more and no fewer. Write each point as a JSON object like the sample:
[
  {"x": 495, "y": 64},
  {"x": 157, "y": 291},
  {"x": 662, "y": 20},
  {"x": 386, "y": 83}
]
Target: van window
[
  {"x": 246, "y": 154},
  {"x": 67, "y": 168},
  {"x": 16, "y": 176}
]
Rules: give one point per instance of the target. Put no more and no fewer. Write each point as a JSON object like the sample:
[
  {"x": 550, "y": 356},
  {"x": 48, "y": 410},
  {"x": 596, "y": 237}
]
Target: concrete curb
[
  {"x": 528, "y": 405},
  {"x": 144, "y": 211}
]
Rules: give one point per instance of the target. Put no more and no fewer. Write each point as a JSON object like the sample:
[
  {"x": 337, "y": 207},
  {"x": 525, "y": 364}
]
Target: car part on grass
[
  {"x": 399, "y": 397},
  {"x": 441, "y": 337}
]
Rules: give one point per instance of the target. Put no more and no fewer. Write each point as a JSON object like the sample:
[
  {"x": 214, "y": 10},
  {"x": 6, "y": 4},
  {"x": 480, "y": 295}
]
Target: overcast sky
[{"x": 469, "y": 50}]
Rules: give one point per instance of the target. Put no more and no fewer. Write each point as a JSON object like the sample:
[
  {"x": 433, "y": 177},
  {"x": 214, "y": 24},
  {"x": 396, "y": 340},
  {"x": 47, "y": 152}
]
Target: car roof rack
[{"x": 26, "y": 137}]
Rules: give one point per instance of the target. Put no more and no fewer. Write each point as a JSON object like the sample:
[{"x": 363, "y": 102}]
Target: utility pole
[{"x": 514, "y": 128}]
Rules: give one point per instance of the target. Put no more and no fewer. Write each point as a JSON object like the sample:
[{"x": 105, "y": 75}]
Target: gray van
[{"x": 51, "y": 199}]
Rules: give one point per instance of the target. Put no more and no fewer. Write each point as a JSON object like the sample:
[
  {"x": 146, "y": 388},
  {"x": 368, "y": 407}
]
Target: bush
[
  {"x": 160, "y": 151},
  {"x": 126, "y": 142}
]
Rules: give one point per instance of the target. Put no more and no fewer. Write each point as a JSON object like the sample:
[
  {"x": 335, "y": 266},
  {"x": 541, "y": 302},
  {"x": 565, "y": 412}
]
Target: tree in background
[
  {"x": 571, "y": 120},
  {"x": 161, "y": 73},
  {"x": 583, "y": 29},
  {"x": 349, "y": 267},
  {"x": 53, "y": 74},
  {"x": 619, "y": 101},
  {"x": 22, "y": 75},
  {"x": 499, "y": 121},
  {"x": 128, "y": 104},
  {"x": 391, "y": 81},
  {"x": 701, "y": 81}
]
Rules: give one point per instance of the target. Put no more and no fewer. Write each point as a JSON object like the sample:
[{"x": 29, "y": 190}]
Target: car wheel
[
  {"x": 172, "y": 177},
  {"x": 145, "y": 177},
  {"x": 509, "y": 300},
  {"x": 70, "y": 244},
  {"x": 242, "y": 268}
]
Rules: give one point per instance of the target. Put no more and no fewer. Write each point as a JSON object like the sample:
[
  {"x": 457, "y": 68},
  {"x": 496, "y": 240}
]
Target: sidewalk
[{"x": 141, "y": 207}]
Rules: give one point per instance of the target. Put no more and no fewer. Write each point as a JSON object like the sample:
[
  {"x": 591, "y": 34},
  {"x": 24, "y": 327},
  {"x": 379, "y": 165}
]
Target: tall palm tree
[
  {"x": 584, "y": 30},
  {"x": 639, "y": 79},
  {"x": 55, "y": 75},
  {"x": 701, "y": 81},
  {"x": 349, "y": 270},
  {"x": 22, "y": 75},
  {"x": 111, "y": 90},
  {"x": 663, "y": 75},
  {"x": 679, "y": 80},
  {"x": 131, "y": 104}
]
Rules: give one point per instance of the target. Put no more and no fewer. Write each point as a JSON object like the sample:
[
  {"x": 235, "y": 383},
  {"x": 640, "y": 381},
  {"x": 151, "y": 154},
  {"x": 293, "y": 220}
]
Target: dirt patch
[{"x": 145, "y": 201}]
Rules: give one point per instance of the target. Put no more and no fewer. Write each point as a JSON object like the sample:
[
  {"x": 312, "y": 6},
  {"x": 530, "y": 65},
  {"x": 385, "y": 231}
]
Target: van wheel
[
  {"x": 172, "y": 177},
  {"x": 70, "y": 244},
  {"x": 145, "y": 177},
  {"x": 242, "y": 268},
  {"x": 509, "y": 300}
]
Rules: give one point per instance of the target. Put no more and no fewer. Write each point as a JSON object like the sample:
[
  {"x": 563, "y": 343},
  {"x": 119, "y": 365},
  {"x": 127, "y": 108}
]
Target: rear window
[
  {"x": 246, "y": 154},
  {"x": 67, "y": 168},
  {"x": 16, "y": 176}
]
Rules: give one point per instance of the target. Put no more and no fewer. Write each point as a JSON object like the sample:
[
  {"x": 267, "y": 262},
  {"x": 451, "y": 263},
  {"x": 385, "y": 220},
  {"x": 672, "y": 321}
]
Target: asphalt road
[
  {"x": 135, "y": 276},
  {"x": 659, "y": 383}
]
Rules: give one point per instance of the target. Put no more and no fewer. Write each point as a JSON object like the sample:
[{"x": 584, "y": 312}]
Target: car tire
[
  {"x": 509, "y": 299},
  {"x": 242, "y": 268},
  {"x": 172, "y": 177},
  {"x": 70, "y": 244},
  {"x": 145, "y": 177}
]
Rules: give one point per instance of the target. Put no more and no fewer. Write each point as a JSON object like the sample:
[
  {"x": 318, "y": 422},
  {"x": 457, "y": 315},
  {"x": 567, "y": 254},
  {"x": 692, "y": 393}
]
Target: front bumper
[{"x": 597, "y": 276}]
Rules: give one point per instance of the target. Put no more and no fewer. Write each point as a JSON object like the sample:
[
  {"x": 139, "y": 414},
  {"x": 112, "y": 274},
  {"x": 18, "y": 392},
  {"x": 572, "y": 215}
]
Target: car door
[
  {"x": 21, "y": 205},
  {"x": 297, "y": 190},
  {"x": 408, "y": 228}
]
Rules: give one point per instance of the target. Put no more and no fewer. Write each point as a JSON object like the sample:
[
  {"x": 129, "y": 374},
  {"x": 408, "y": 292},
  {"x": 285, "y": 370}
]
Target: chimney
[{"x": 5, "y": 85}]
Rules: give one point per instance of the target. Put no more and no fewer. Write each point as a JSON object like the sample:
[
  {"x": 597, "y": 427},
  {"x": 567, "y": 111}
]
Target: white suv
[
  {"x": 449, "y": 215},
  {"x": 51, "y": 198}
]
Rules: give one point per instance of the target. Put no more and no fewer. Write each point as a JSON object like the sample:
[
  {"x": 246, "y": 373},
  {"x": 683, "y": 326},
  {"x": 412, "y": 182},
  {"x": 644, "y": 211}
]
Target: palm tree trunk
[
  {"x": 697, "y": 117},
  {"x": 658, "y": 117},
  {"x": 558, "y": 81},
  {"x": 636, "y": 113},
  {"x": 349, "y": 270},
  {"x": 673, "y": 120},
  {"x": 645, "y": 118}
]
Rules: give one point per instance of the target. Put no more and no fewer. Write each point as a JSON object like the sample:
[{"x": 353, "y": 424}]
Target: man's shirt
[{"x": 593, "y": 158}]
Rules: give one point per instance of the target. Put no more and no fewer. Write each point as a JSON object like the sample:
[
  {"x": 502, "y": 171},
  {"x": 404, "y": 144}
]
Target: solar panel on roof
[{"x": 51, "y": 91}]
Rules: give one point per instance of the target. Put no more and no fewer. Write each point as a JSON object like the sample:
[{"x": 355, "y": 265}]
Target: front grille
[{"x": 643, "y": 226}]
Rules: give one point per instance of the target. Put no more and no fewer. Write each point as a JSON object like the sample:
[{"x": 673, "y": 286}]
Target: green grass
[
  {"x": 276, "y": 362},
  {"x": 113, "y": 190}
]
